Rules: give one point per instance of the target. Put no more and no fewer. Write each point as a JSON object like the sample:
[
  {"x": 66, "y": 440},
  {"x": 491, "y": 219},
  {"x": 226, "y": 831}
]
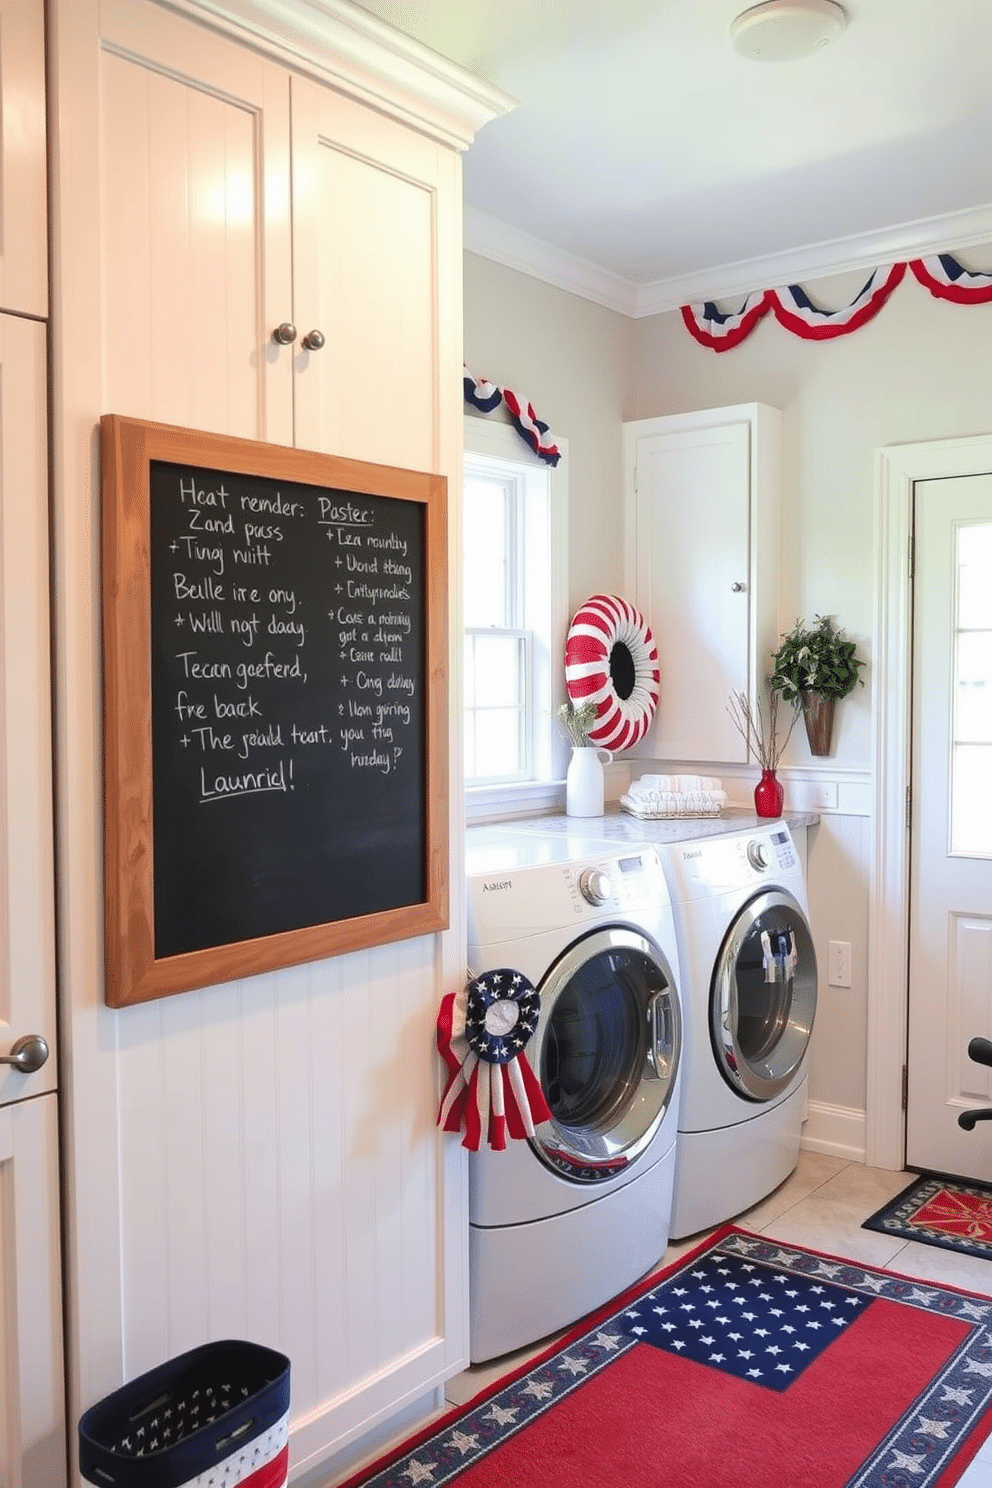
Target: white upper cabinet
[
  {"x": 23, "y": 180},
  {"x": 281, "y": 255},
  {"x": 702, "y": 525}
]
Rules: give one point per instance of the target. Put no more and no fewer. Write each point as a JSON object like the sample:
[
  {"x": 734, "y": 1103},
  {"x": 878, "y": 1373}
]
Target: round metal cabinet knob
[
  {"x": 27, "y": 1054},
  {"x": 737, "y": 587},
  {"x": 313, "y": 340},
  {"x": 594, "y": 885},
  {"x": 285, "y": 334}
]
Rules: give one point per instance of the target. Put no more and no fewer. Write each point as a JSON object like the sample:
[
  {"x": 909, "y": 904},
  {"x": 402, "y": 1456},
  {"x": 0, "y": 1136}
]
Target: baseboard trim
[{"x": 836, "y": 1131}]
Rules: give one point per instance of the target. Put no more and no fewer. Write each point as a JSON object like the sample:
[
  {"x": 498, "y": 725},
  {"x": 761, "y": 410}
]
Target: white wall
[{"x": 573, "y": 360}]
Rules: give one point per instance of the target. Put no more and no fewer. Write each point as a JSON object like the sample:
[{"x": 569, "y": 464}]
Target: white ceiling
[{"x": 646, "y": 163}]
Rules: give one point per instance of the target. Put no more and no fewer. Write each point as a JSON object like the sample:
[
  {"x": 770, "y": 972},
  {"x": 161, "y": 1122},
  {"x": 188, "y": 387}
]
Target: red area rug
[
  {"x": 940, "y": 1211},
  {"x": 747, "y": 1363}
]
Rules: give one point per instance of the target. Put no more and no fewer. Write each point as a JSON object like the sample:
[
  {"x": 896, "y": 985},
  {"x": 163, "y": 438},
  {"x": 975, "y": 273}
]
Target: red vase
[{"x": 769, "y": 794}]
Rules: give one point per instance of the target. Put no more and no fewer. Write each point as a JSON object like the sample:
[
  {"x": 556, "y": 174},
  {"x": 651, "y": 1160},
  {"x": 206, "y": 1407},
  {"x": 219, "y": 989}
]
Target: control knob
[
  {"x": 757, "y": 856},
  {"x": 594, "y": 885}
]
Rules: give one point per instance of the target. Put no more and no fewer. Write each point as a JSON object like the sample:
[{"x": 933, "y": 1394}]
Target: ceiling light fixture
[{"x": 782, "y": 30}]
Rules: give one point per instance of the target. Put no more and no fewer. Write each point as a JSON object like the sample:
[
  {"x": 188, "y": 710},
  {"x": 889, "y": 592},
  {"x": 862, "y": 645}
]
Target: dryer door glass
[
  {"x": 763, "y": 997},
  {"x": 607, "y": 1052}
]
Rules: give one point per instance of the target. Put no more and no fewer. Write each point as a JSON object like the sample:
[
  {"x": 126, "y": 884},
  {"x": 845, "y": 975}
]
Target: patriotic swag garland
[
  {"x": 487, "y": 397},
  {"x": 482, "y": 1032},
  {"x": 942, "y": 275}
]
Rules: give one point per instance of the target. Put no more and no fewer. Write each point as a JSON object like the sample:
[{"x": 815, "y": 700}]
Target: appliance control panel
[
  {"x": 773, "y": 849},
  {"x": 623, "y": 883}
]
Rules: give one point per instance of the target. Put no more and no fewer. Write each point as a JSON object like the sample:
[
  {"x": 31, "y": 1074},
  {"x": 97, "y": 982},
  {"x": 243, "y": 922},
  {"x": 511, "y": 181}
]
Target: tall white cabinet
[
  {"x": 257, "y": 1159},
  {"x": 703, "y": 504},
  {"x": 32, "y": 1395}
]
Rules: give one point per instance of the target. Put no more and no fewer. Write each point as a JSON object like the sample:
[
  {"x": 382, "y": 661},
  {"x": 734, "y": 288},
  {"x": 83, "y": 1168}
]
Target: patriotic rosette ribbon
[
  {"x": 792, "y": 307},
  {"x": 487, "y": 397},
  {"x": 482, "y": 1031}
]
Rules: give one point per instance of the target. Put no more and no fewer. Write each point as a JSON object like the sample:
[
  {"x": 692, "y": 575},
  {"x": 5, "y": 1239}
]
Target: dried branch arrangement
[{"x": 763, "y": 743}]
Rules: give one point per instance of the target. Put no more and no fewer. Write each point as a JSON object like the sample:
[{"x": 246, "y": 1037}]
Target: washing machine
[
  {"x": 749, "y": 990},
  {"x": 750, "y": 972},
  {"x": 563, "y": 1222}
]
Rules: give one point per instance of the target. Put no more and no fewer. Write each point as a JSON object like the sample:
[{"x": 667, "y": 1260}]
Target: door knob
[
  {"x": 28, "y": 1054},
  {"x": 738, "y": 587},
  {"x": 285, "y": 334},
  {"x": 313, "y": 340}
]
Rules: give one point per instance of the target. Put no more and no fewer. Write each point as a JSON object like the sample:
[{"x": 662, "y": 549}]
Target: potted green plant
[{"x": 813, "y": 667}]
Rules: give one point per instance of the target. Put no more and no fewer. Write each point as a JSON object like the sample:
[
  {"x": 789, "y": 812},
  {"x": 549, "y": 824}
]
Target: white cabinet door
[
  {"x": 194, "y": 142},
  {"x": 23, "y": 179},
  {"x": 372, "y": 202},
  {"x": 32, "y": 1407},
  {"x": 32, "y": 1404},
  {"x": 703, "y": 541}
]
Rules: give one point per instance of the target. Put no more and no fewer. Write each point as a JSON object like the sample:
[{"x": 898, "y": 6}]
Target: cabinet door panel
[
  {"x": 366, "y": 255},
  {"x": 27, "y": 885},
  {"x": 32, "y": 1398},
  {"x": 195, "y": 201},
  {"x": 692, "y": 523},
  {"x": 23, "y": 180}
]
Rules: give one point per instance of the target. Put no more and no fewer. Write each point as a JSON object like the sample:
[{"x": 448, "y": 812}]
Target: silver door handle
[
  {"x": 313, "y": 340},
  {"x": 28, "y": 1054},
  {"x": 285, "y": 334}
]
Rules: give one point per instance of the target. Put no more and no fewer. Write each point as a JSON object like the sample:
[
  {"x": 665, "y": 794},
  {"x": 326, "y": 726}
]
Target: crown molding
[
  {"x": 490, "y": 238},
  {"x": 493, "y": 239},
  {"x": 338, "y": 43}
]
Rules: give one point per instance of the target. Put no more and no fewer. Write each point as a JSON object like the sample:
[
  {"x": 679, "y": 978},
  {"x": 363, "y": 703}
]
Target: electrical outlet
[
  {"x": 823, "y": 795},
  {"x": 839, "y": 963}
]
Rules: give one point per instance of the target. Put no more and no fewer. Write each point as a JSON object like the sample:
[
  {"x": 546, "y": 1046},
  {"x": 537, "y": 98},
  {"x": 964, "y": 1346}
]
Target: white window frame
[{"x": 545, "y": 609}]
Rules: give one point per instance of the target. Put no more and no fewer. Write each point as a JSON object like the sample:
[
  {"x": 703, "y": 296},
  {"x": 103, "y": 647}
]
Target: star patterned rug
[
  {"x": 747, "y": 1362},
  {"x": 940, "y": 1211}
]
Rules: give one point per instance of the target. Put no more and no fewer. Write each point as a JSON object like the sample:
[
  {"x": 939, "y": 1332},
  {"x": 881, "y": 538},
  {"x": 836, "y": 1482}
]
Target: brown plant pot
[{"x": 818, "y": 716}]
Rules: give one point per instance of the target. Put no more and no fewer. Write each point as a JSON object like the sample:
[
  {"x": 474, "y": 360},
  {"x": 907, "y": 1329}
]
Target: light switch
[{"x": 839, "y": 963}]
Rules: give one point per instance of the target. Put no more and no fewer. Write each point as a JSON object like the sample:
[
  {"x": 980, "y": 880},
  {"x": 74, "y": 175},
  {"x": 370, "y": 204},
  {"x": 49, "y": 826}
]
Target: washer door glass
[
  {"x": 763, "y": 996},
  {"x": 607, "y": 1050}
]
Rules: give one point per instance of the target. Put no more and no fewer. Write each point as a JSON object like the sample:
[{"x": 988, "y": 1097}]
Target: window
[{"x": 514, "y": 544}]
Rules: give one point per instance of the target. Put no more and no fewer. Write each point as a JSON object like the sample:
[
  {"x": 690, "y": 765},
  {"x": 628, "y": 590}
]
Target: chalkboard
[{"x": 275, "y": 706}]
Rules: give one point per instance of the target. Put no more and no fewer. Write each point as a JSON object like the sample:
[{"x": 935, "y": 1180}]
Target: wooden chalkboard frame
[{"x": 134, "y": 973}]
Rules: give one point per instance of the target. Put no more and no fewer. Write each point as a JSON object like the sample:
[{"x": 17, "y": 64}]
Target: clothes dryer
[
  {"x": 560, "y": 1224},
  {"x": 749, "y": 991}
]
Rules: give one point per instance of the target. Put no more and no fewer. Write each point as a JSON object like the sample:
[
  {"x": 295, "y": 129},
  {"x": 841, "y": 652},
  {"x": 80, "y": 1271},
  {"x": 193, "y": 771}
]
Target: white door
[
  {"x": 32, "y": 1405},
  {"x": 950, "y": 961}
]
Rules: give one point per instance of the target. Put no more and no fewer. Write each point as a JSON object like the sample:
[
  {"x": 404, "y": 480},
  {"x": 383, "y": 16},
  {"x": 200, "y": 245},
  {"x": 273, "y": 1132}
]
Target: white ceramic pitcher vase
[{"x": 584, "y": 785}]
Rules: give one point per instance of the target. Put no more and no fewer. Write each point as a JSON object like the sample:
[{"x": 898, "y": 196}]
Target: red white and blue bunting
[
  {"x": 487, "y": 397},
  {"x": 942, "y": 275},
  {"x": 482, "y": 1032}
]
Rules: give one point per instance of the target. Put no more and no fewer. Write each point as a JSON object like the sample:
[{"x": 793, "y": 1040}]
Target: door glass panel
[
  {"x": 765, "y": 971},
  {"x": 596, "y": 1043},
  {"x": 971, "y": 728}
]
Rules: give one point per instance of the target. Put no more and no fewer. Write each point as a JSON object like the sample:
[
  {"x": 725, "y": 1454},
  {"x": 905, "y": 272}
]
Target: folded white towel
[
  {"x": 709, "y": 783},
  {"x": 653, "y": 782},
  {"x": 686, "y": 783}
]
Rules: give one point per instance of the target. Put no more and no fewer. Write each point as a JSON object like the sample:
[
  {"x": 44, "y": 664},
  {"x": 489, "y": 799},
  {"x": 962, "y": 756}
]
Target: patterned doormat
[
  {"x": 746, "y": 1362},
  {"x": 940, "y": 1211}
]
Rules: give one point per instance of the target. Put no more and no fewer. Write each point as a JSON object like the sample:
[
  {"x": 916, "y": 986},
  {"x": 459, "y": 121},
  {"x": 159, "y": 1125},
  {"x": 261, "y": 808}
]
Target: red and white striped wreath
[{"x": 611, "y": 660}]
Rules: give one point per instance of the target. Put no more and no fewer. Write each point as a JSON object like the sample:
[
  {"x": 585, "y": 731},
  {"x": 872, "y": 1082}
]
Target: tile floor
[{"x": 822, "y": 1205}]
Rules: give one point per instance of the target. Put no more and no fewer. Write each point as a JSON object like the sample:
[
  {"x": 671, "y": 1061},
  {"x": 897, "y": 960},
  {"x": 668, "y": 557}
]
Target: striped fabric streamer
[
  {"x": 719, "y": 331},
  {"x": 794, "y": 310},
  {"x": 792, "y": 307},
  {"x": 944, "y": 277},
  {"x": 486, "y": 397}
]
